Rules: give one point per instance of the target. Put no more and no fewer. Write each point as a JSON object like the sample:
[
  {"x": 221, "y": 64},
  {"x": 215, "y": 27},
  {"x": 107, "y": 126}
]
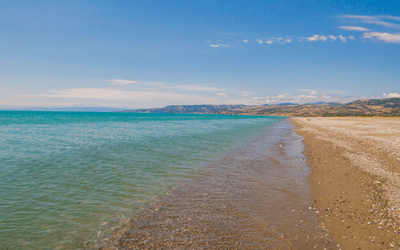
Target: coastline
[
  {"x": 255, "y": 197},
  {"x": 354, "y": 178}
]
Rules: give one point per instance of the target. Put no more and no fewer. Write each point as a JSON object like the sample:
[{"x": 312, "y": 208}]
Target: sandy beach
[{"x": 355, "y": 184}]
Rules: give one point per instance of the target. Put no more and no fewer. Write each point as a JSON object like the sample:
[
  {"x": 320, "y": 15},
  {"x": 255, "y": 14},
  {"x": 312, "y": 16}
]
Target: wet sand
[
  {"x": 255, "y": 197},
  {"x": 355, "y": 178}
]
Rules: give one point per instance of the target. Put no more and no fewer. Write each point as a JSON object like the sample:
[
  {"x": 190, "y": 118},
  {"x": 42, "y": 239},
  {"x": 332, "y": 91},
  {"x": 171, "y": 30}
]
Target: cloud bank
[
  {"x": 306, "y": 96},
  {"x": 355, "y": 28},
  {"x": 391, "y": 95},
  {"x": 377, "y": 20},
  {"x": 316, "y": 38},
  {"x": 383, "y": 36},
  {"x": 219, "y": 45},
  {"x": 358, "y": 21}
]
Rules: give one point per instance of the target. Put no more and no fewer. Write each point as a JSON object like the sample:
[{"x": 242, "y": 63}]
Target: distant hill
[
  {"x": 332, "y": 104},
  {"x": 385, "y": 103},
  {"x": 372, "y": 107},
  {"x": 192, "y": 109}
]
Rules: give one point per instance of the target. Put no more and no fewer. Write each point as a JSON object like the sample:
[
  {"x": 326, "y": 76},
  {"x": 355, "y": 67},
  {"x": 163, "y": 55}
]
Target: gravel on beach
[{"x": 355, "y": 178}]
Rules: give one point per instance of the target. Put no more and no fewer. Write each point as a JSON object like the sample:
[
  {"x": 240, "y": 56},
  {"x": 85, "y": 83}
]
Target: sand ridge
[{"x": 355, "y": 167}]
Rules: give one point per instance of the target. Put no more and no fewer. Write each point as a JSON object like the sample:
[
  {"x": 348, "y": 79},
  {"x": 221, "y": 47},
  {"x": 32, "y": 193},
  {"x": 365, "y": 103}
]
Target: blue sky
[{"x": 143, "y": 54}]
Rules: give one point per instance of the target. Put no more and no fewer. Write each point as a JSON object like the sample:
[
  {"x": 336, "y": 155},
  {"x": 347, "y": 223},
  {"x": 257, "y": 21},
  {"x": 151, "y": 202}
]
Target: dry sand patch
[{"x": 355, "y": 178}]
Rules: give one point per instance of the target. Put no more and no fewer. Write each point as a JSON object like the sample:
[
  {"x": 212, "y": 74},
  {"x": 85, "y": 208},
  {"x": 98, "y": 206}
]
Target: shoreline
[
  {"x": 353, "y": 178},
  {"x": 255, "y": 197}
]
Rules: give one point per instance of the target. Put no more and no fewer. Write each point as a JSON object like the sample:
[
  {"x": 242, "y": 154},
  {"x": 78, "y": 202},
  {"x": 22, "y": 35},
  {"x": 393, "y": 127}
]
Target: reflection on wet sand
[{"x": 255, "y": 197}]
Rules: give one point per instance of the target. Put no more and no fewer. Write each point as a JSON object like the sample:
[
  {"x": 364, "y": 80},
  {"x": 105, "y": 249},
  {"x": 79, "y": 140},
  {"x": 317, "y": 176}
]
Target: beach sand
[{"x": 355, "y": 178}]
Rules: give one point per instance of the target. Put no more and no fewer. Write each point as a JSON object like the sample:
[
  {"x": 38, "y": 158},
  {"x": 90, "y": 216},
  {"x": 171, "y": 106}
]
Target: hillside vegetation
[{"x": 371, "y": 107}]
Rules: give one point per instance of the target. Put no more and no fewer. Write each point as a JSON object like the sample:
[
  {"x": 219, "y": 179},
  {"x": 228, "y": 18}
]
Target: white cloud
[
  {"x": 375, "y": 20},
  {"x": 287, "y": 40},
  {"x": 316, "y": 38},
  {"x": 356, "y": 28},
  {"x": 383, "y": 36},
  {"x": 311, "y": 92},
  {"x": 311, "y": 97},
  {"x": 358, "y": 17},
  {"x": 222, "y": 95},
  {"x": 219, "y": 44},
  {"x": 313, "y": 38},
  {"x": 382, "y": 23},
  {"x": 397, "y": 18},
  {"x": 121, "y": 81},
  {"x": 323, "y": 38},
  {"x": 280, "y": 40},
  {"x": 391, "y": 95}
]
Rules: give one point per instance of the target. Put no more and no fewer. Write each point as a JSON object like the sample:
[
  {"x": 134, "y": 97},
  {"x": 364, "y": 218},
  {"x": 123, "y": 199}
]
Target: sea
[{"x": 72, "y": 180}]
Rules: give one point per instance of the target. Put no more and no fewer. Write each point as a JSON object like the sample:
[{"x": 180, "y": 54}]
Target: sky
[{"x": 149, "y": 54}]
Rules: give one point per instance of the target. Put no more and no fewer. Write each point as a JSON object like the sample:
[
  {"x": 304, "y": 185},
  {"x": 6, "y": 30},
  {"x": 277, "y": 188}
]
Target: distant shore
[
  {"x": 355, "y": 178},
  {"x": 389, "y": 107}
]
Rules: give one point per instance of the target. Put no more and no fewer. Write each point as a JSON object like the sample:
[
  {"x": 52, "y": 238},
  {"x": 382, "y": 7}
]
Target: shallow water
[
  {"x": 68, "y": 178},
  {"x": 255, "y": 196}
]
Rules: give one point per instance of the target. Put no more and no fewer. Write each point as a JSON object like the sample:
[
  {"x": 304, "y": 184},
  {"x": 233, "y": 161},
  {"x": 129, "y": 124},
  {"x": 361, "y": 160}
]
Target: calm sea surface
[{"x": 68, "y": 178}]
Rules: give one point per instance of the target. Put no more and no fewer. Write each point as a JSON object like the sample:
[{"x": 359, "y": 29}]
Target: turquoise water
[{"x": 68, "y": 178}]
